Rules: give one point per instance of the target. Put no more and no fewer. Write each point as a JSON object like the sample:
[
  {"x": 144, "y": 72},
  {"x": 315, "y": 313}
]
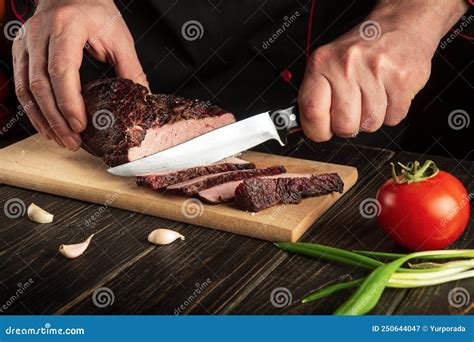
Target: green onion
[
  {"x": 369, "y": 292},
  {"x": 393, "y": 283},
  {"x": 391, "y": 274}
]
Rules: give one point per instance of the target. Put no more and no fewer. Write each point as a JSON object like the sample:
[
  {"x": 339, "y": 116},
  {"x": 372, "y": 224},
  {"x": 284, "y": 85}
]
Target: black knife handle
[{"x": 286, "y": 120}]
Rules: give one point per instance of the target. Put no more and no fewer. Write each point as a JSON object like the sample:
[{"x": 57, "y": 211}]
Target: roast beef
[
  {"x": 226, "y": 192},
  {"x": 160, "y": 181},
  {"x": 192, "y": 187},
  {"x": 125, "y": 122},
  {"x": 256, "y": 194}
]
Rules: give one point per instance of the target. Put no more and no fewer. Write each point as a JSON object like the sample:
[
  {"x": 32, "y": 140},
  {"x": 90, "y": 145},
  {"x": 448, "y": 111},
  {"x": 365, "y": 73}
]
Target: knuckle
[
  {"x": 58, "y": 126},
  {"x": 62, "y": 14},
  {"x": 57, "y": 66},
  {"x": 350, "y": 59},
  {"x": 65, "y": 106},
  {"x": 21, "y": 92},
  {"x": 344, "y": 129},
  {"x": 397, "y": 115},
  {"x": 379, "y": 65},
  {"x": 38, "y": 85},
  {"x": 319, "y": 57},
  {"x": 33, "y": 24}
]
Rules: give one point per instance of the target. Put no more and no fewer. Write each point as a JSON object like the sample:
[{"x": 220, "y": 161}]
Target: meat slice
[
  {"x": 225, "y": 192},
  {"x": 259, "y": 193},
  {"x": 125, "y": 122},
  {"x": 192, "y": 187},
  {"x": 160, "y": 181}
]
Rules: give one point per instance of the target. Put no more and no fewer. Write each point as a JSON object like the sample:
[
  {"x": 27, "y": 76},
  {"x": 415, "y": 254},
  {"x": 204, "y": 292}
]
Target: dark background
[{"x": 230, "y": 66}]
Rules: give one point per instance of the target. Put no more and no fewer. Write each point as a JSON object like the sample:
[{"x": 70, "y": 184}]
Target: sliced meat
[
  {"x": 125, "y": 122},
  {"x": 160, "y": 181},
  {"x": 192, "y": 187},
  {"x": 256, "y": 194},
  {"x": 226, "y": 192}
]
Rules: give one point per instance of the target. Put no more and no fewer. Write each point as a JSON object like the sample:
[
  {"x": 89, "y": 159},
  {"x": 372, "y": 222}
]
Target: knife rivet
[{"x": 286, "y": 75}]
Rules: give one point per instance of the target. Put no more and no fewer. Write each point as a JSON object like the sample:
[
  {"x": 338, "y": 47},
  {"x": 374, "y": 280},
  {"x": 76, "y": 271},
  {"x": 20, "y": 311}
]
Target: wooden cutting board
[{"x": 41, "y": 165}]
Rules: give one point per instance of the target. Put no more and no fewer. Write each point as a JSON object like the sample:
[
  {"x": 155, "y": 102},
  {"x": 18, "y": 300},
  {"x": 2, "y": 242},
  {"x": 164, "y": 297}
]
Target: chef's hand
[
  {"x": 369, "y": 76},
  {"x": 47, "y": 56}
]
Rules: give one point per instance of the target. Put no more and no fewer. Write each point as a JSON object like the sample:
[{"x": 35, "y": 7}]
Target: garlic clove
[
  {"x": 36, "y": 214},
  {"x": 164, "y": 236},
  {"x": 73, "y": 251}
]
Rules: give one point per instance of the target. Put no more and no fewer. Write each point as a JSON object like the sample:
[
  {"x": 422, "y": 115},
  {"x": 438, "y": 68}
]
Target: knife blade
[{"x": 215, "y": 145}]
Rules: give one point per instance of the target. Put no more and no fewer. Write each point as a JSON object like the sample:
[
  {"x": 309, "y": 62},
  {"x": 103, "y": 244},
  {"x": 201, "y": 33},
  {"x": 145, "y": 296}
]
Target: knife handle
[{"x": 286, "y": 120}]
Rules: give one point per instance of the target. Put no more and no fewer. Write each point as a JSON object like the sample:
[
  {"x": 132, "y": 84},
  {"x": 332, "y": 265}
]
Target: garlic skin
[
  {"x": 36, "y": 214},
  {"x": 164, "y": 236},
  {"x": 73, "y": 251}
]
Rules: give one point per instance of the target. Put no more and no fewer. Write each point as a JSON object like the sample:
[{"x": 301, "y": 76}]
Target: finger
[
  {"x": 26, "y": 99},
  {"x": 65, "y": 58},
  {"x": 42, "y": 91},
  {"x": 126, "y": 63},
  {"x": 314, "y": 100},
  {"x": 374, "y": 106},
  {"x": 345, "y": 107},
  {"x": 397, "y": 108}
]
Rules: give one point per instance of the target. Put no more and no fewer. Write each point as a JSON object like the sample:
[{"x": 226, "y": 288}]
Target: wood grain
[{"x": 81, "y": 176}]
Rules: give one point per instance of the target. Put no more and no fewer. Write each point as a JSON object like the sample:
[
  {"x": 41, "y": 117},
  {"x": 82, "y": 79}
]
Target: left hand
[{"x": 369, "y": 76}]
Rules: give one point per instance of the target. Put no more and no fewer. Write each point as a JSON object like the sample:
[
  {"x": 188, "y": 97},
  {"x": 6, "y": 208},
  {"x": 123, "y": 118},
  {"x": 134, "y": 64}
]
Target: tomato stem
[{"x": 413, "y": 172}]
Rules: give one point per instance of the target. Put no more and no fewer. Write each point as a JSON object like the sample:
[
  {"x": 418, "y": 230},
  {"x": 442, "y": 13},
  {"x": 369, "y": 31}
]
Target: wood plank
[
  {"x": 81, "y": 176},
  {"x": 164, "y": 282}
]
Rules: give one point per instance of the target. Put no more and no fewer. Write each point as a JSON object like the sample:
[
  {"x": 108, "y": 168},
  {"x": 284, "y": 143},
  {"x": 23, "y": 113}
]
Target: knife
[{"x": 217, "y": 144}]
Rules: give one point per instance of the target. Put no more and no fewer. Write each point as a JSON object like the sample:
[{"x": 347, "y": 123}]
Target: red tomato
[{"x": 425, "y": 215}]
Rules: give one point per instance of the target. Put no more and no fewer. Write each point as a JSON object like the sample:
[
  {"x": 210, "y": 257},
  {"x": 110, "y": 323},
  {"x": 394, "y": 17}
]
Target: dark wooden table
[{"x": 211, "y": 272}]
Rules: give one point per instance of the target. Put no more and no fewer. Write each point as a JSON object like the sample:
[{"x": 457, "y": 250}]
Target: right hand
[{"x": 47, "y": 56}]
